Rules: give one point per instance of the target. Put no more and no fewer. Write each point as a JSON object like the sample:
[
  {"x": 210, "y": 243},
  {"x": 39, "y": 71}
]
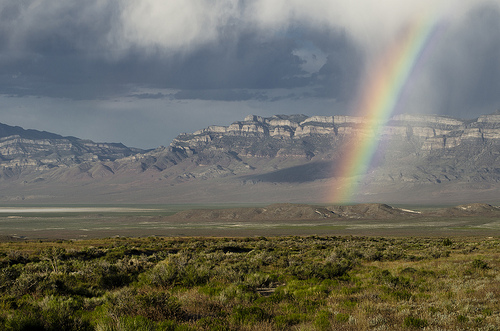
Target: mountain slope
[
  {"x": 28, "y": 152},
  {"x": 421, "y": 159}
]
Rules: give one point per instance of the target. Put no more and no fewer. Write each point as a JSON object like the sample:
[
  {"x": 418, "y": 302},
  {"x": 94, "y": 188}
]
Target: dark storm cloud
[
  {"x": 213, "y": 94},
  {"x": 221, "y": 95},
  {"x": 340, "y": 76},
  {"x": 73, "y": 50},
  {"x": 460, "y": 76},
  {"x": 233, "y": 51},
  {"x": 101, "y": 69},
  {"x": 32, "y": 30},
  {"x": 247, "y": 62},
  {"x": 469, "y": 67},
  {"x": 54, "y": 48},
  {"x": 244, "y": 62}
]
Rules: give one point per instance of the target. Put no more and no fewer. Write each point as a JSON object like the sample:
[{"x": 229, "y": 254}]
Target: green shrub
[
  {"x": 211, "y": 289},
  {"x": 280, "y": 295},
  {"x": 462, "y": 319},
  {"x": 73, "y": 288},
  {"x": 212, "y": 323},
  {"x": 349, "y": 304},
  {"x": 167, "y": 326},
  {"x": 24, "y": 321},
  {"x": 63, "y": 313},
  {"x": 164, "y": 274},
  {"x": 414, "y": 322},
  {"x": 8, "y": 276},
  {"x": 340, "y": 254},
  {"x": 26, "y": 283},
  {"x": 173, "y": 272},
  {"x": 373, "y": 255},
  {"x": 156, "y": 306},
  {"x": 342, "y": 317},
  {"x": 401, "y": 294},
  {"x": 286, "y": 321},
  {"x": 249, "y": 315},
  {"x": 322, "y": 321},
  {"x": 328, "y": 270},
  {"x": 409, "y": 271},
  {"x": 256, "y": 280},
  {"x": 52, "y": 313},
  {"x": 447, "y": 242},
  {"x": 114, "y": 255},
  {"x": 113, "y": 280},
  {"x": 394, "y": 282},
  {"x": 479, "y": 264},
  {"x": 17, "y": 257},
  {"x": 135, "y": 323},
  {"x": 334, "y": 270},
  {"x": 193, "y": 275},
  {"x": 487, "y": 312}
]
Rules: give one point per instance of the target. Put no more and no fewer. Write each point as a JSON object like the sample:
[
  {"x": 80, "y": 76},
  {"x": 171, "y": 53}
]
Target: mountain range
[{"x": 422, "y": 159}]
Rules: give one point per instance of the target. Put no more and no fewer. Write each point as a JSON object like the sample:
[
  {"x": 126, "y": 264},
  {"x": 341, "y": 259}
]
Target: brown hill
[
  {"x": 280, "y": 211},
  {"x": 367, "y": 211},
  {"x": 474, "y": 209},
  {"x": 371, "y": 210}
]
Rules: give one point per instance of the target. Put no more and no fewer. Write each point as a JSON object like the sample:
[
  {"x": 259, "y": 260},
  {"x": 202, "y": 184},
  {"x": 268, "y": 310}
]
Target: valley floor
[{"x": 77, "y": 222}]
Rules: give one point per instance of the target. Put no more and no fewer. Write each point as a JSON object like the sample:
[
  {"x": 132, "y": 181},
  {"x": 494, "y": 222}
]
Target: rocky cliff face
[
  {"x": 432, "y": 132},
  {"x": 35, "y": 151},
  {"x": 291, "y": 154}
]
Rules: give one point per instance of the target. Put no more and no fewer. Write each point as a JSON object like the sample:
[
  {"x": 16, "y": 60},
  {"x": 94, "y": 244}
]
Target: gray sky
[{"x": 142, "y": 71}]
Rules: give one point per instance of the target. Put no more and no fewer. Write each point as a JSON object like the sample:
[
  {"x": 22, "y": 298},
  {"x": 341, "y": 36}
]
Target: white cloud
[
  {"x": 175, "y": 25},
  {"x": 372, "y": 23},
  {"x": 183, "y": 26},
  {"x": 172, "y": 26}
]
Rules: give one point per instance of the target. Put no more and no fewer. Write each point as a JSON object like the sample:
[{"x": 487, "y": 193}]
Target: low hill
[
  {"x": 280, "y": 211},
  {"x": 474, "y": 209},
  {"x": 367, "y": 211}
]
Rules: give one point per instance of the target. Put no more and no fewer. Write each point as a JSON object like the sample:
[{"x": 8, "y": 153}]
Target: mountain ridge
[{"x": 283, "y": 158}]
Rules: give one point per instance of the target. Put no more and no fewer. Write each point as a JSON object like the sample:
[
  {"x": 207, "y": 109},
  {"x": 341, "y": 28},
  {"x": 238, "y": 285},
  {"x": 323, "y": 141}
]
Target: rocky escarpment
[
  {"x": 415, "y": 148},
  {"x": 241, "y": 148},
  {"x": 263, "y": 158},
  {"x": 432, "y": 132},
  {"x": 31, "y": 150}
]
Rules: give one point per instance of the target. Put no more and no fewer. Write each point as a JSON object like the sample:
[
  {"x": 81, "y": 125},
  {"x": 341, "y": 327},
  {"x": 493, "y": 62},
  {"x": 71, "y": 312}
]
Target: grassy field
[{"x": 252, "y": 283}]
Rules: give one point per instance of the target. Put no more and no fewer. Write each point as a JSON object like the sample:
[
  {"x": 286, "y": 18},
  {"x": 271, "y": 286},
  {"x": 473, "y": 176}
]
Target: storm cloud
[{"x": 267, "y": 56}]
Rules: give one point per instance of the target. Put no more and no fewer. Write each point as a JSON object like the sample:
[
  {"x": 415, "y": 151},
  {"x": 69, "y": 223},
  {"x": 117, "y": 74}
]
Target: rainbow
[{"x": 380, "y": 96}]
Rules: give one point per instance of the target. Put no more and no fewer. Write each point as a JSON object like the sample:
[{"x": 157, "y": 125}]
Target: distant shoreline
[{"x": 19, "y": 210}]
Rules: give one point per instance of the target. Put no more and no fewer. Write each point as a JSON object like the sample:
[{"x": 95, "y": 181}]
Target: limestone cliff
[
  {"x": 261, "y": 159},
  {"x": 419, "y": 149},
  {"x": 30, "y": 150},
  {"x": 432, "y": 132}
]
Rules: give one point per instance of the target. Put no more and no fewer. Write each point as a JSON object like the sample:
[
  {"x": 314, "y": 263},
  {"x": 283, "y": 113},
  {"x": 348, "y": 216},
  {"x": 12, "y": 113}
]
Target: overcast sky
[{"x": 142, "y": 71}]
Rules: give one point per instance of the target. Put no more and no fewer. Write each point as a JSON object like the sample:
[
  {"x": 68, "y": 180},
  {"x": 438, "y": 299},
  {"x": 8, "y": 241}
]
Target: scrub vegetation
[{"x": 281, "y": 283}]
